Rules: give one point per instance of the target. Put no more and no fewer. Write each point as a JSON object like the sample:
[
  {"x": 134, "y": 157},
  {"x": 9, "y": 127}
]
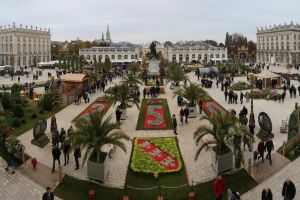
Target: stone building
[
  {"x": 24, "y": 46},
  {"x": 279, "y": 44}
]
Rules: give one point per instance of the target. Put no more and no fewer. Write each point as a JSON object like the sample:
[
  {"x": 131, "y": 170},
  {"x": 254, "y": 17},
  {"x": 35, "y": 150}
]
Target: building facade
[
  {"x": 180, "y": 52},
  {"x": 279, "y": 44},
  {"x": 24, "y": 46}
]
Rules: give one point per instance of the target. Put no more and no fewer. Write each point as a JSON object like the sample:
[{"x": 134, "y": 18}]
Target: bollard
[
  {"x": 192, "y": 196},
  {"x": 249, "y": 166},
  {"x": 283, "y": 148}
]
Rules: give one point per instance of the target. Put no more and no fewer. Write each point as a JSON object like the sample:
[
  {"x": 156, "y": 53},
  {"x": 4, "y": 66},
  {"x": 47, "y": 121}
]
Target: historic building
[
  {"x": 104, "y": 41},
  {"x": 183, "y": 52},
  {"x": 279, "y": 44},
  {"x": 24, "y": 46}
]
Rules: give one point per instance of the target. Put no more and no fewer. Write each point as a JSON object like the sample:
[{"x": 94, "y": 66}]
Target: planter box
[
  {"x": 223, "y": 162},
  {"x": 193, "y": 112},
  {"x": 97, "y": 171},
  {"x": 124, "y": 114}
]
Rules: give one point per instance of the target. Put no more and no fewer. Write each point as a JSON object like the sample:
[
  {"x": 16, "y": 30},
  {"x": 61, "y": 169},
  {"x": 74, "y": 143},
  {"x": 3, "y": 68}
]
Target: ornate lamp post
[{"x": 252, "y": 119}]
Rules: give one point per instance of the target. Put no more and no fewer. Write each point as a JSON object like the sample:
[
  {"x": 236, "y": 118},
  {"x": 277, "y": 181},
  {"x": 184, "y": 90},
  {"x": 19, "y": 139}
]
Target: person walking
[
  {"x": 66, "y": 151},
  {"x": 77, "y": 155},
  {"x": 48, "y": 195},
  {"x": 219, "y": 187},
  {"x": 241, "y": 97},
  {"x": 118, "y": 116},
  {"x": 261, "y": 150},
  {"x": 174, "y": 123},
  {"x": 288, "y": 190},
  {"x": 269, "y": 146},
  {"x": 186, "y": 114},
  {"x": 9, "y": 162},
  {"x": 181, "y": 115},
  {"x": 266, "y": 194},
  {"x": 62, "y": 137},
  {"x": 200, "y": 106},
  {"x": 56, "y": 156},
  {"x": 226, "y": 94}
]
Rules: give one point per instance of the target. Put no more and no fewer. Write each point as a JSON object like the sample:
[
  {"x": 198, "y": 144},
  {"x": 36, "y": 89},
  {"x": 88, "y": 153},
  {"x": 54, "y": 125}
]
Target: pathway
[
  {"x": 17, "y": 186},
  {"x": 275, "y": 183}
]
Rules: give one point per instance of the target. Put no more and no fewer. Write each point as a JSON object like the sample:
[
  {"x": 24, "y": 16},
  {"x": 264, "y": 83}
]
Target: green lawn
[
  {"x": 30, "y": 122},
  {"x": 73, "y": 189},
  {"x": 141, "y": 119}
]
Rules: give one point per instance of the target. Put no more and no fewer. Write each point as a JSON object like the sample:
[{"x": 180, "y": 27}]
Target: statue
[
  {"x": 39, "y": 129},
  {"x": 153, "y": 50},
  {"x": 53, "y": 126}
]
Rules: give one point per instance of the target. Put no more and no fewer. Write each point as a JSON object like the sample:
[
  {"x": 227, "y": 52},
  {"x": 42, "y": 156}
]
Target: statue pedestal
[{"x": 153, "y": 69}]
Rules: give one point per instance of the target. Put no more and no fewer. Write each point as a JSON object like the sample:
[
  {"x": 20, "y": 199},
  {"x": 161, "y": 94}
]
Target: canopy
[
  {"x": 73, "y": 77},
  {"x": 266, "y": 74}
]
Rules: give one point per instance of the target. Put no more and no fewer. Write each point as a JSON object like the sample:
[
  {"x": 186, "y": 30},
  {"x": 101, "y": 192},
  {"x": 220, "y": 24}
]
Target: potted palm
[
  {"x": 134, "y": 68},
  {"x": 92, "y": 135},
  {"x": 132, "y": 80},
  {"x": 191, "y": 92},
  {"x": 224, "y": 129},
  {"x": 122, "y": 93},
  {"x": 175, "y": 74}
]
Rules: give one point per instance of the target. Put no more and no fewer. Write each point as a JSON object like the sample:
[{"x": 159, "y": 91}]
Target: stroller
[{"x": 233, "y": 195}]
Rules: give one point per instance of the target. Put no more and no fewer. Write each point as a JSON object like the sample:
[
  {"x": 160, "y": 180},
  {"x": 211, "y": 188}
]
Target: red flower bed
[
  {"x": 97, "y": 106},
  {"x": 155, "y": 119},
  {"x": 161, "y": 157},
  {"x": 212, "y": 108}
]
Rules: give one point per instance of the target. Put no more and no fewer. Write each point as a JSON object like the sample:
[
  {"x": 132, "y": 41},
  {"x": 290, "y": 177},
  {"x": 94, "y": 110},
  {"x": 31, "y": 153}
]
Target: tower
[
  {"x": 102, "y": 36},
  {"x": 108, "y": 34}
]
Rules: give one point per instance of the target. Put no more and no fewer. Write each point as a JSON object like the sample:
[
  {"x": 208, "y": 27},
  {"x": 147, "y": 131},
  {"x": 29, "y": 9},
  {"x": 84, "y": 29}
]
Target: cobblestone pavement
[
  {"x": 17, "y": 186},
  {"x": 275, "y": 183}
]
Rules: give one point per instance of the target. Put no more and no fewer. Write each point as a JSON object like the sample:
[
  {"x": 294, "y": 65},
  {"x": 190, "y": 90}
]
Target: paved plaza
[{"x": 197, "y": 171}]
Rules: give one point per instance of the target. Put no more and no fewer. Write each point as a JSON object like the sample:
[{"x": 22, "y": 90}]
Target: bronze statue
[{"x": 153, "y": 50}]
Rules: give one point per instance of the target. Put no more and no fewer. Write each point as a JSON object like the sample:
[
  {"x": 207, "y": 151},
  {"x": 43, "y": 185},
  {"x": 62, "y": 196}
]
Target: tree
[
  {"x": 6, "y": 100},
  {"x": 93, "y": 134},
  {"x": 107, "y": 65},
  {"x": 191, "y": 93},
  {"x": 224, "y": 129},
  {"x": 211, "y": 42},
  {"x": 134, "y": 68},
  {"x": 174, "y": 73},
  {"x": 122, "y": 93},
  {"x": 132, "y": 80}
]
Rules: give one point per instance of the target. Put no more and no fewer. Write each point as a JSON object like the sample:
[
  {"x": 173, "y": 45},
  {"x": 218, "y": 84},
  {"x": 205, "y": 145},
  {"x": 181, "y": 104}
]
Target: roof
[
  {"x": 73, "y": 77},
  {"x": 266, "y": 74}
]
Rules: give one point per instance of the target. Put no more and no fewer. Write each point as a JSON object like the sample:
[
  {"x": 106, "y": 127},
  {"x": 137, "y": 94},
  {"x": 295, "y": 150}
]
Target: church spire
[
  {"x": 102, "y": 36},
  {"x": 108, "y": 33}
]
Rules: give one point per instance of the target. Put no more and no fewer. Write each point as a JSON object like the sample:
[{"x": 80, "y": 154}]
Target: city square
[{"x": 144, "y": 114}]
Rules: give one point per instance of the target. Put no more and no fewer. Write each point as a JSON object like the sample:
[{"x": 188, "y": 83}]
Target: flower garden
[
  {"x": 154, "y": 114},
  {"x": 155, "y": 156},
  {"x": 211, "y": 108},
  {"x": 100, "y": 105}
]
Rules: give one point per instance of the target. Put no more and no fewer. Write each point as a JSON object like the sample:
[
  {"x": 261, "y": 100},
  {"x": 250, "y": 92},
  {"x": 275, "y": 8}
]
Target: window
[
  {"x": 199, "y": 56},
  {"x": 295, "y": 37},
  {"x": 174, "y": 57},
  {"x": 119, "y": 57},
  {"x": 287, "y": 47},
  {"x": 211, "y": 55},
  {"x": 112, "y": 57},
  {"x": 126, "y": 57},
  {"x": 100, "y": 57},
  {"x": 193, "y": 56},
  {"x": 287, "y": 37},
  {"x": 282, "y": 47},
  {"x": 276, "y": 37},
  {"x": 180, "y": 57},
  {"x": 281, "y": 37},
  {"x": 217, "y": 55},
  {"x": 223, "y": 55},
  {"x": 88, "y": 57},
  {"x": 132, "y": 56},
  {"x": 187, "y": 58},
  {"x": 24, "y": 48},
  {"x": 19, "y": 48},
  {"x": 11, "y": 48}
]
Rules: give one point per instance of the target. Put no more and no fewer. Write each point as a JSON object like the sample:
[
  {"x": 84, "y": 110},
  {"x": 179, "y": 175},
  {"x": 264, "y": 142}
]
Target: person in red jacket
[{"x": 219, "y": 187}]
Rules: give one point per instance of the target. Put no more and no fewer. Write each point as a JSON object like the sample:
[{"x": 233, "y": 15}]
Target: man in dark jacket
[
  {"x": 56, "y": 156},
  {"x": 77, "y": 155},
  {"x": 288, "y": 190},
  {"x": 186, "y": 114},
  {"x": 200, "y": 106},
  {"x": 174, "y": 123},
  {"x": 66, "y": 151},
  {"x": 261, "y": 150},
  {"x": 118, "y": 116},
  {"x": 48, "y": 195},
  {"x": 269, "y": 148},
  {"x": 267, "y": 194}
]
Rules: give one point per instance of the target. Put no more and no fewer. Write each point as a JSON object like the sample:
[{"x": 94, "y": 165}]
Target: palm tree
[
  {"x": 174, "y": 73},
  {"x": 132, "y": 80},
  {"x": 93, "y": 134},
  {"x": 122, "y": 93},
  {"x": 134, "y": 68},
  {"x": 191, "y": 93},
  {"x": 224, "y": 129}
]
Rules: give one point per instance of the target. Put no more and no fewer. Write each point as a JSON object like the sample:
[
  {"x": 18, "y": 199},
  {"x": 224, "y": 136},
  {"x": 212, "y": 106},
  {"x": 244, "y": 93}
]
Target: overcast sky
[{"x": 141, "y": 21}]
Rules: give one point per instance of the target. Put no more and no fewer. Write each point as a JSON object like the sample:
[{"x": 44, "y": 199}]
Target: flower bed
[
  {"x": 154, "y": 114},
  {"x": 239, "y": 86},
  {"x": 100, "y": 105},
  {"x": 161, "y": 90},
  {"x": 212, "y": 108},
  {"x": 155, "y": 156}
]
